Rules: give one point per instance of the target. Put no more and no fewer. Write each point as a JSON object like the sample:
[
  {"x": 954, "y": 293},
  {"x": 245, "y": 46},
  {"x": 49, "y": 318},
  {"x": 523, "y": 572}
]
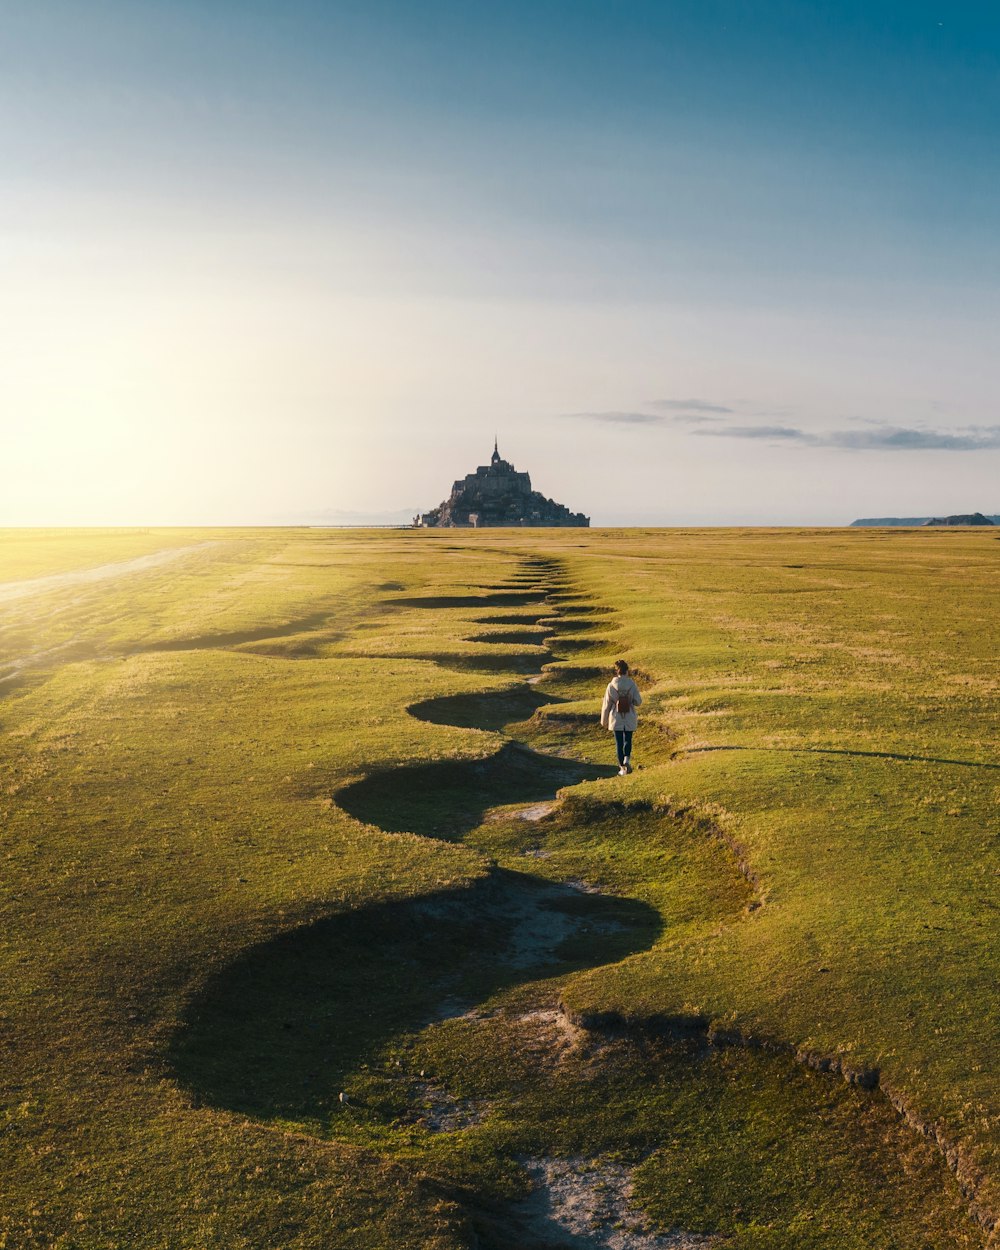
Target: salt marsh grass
[{"x": 286, "y": 964}]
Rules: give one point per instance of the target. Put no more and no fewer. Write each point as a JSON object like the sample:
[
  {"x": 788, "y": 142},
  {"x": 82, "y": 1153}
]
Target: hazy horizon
[{"x": 696, "y": 264}]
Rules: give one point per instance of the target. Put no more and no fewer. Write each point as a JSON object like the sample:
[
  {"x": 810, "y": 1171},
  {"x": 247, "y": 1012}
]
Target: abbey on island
[{"x": 497, "y": 494}]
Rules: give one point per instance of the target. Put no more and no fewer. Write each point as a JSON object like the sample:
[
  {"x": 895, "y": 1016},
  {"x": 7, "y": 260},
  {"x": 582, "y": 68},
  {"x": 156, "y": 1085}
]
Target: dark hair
[{"x": 621, "y": 667}]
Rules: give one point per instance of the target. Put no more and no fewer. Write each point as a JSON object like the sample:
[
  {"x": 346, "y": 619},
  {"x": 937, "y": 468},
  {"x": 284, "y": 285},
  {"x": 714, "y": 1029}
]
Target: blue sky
[{"x": 269, "y": 262}]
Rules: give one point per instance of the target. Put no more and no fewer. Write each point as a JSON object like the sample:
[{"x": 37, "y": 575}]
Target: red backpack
[{"x": 624, "y": 704}]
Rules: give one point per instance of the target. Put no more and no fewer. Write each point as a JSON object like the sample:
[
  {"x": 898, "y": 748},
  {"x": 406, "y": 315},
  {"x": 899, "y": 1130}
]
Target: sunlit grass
[{"x": 171, "y": 753}]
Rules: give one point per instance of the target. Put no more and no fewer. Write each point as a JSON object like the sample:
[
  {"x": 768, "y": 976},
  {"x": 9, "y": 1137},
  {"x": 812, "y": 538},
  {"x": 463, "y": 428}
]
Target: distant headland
[
  {"x": 498, "y": 495},
  {"x": 967, "y": 518}
]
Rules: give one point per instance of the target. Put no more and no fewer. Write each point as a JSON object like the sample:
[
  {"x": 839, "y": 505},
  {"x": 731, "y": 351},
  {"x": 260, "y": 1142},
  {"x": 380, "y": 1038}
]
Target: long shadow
[
  {"x": 522, "y": 662},
  {"x": 512, "y": 598},
  {"x": 277, "y": 1033},
  {"x": 875, "y": 755},
  {"x": 492, "y": 709},
  {"x": 530, "y": 638},
  {"x": 449, "y": 799},
  {"x": 234, "y": 638},
  {"x": 575, "y": 602},
  {"x": 575, "y": 648},
  {"x": 524, "y": 618},
  {"x": 578, "y": 624},
  {"x": 582, "y": 681},
  {"x": 584, "y": 673}
]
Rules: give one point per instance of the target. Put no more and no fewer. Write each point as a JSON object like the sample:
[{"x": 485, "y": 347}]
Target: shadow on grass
[
  {"x": 528, "y": 637},
  {"x": 493, "y": 709},
  {"x": 874, "y": 755},
  {"x": 523, "y": 618},
  {"x": 569, "y": 646},
  {"x": 449, "y": 799},
  {"x": 523, "y": 662},
  {"x": 579, "y": 624},
  {"x": 234, "y": 639},
  {"x": 508, "y": 598},
  {"x": 588, "y": 674},
  {"x": 278, "y": 1033},
  {"x": 578, "y": 603}
]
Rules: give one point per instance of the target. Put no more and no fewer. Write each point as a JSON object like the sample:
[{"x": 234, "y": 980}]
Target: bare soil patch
[{"x": 586, "y": 1204}]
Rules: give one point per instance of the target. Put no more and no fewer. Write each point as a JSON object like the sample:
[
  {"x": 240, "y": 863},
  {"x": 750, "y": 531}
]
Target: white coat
[{"x": 611, "y": 718}]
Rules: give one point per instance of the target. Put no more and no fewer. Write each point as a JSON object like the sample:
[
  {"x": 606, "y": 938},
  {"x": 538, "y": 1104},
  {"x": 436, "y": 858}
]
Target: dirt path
[{"x": 11, "y": 591}]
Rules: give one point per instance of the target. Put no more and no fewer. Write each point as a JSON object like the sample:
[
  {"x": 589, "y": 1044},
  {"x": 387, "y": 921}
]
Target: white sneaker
[
  {"x": 627, "y": 765},
  {"x": 623, "y": 771}
]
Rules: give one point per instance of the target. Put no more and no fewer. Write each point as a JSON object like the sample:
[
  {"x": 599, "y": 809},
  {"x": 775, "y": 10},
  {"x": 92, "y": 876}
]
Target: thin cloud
[
  {"x": 688, "y": 405},
  {"x": 618, "y": 418},
  {"x": 783, "y": 433},
  {"x": 876, "y": 436},
  {"x": 672, "y": 411},
  {"x": 868, "y": 434},
  {"x": 897, "y": 438}
]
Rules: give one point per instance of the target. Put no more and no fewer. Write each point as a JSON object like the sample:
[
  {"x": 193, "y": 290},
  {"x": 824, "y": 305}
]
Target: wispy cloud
[
  {"x": 899, "y": 438},
  {"x": 783, "y": 433},
  {"x": 692, "y": 418},
  {"x": 865, "y": 433},
  {"x": 688, "y": 405},
  {"x": 875, "y": 436},
  {"x": 668, "y": 411},
  {"x": 618, "y": 418}
]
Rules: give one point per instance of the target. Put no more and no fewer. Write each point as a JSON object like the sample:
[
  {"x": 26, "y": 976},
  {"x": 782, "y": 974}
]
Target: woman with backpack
[{"x": 618, "y": 713}]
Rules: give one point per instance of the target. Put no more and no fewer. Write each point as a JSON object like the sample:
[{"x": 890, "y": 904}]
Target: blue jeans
[{"x": 623, "y": 741}]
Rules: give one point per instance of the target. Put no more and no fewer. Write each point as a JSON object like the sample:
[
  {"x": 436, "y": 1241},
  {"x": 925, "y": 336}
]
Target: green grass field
[{"x": 327, "y": 922}]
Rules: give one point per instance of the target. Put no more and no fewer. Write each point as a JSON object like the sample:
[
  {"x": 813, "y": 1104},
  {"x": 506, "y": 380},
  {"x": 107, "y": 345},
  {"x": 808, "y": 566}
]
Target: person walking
[{"x": 618, "y": 713}]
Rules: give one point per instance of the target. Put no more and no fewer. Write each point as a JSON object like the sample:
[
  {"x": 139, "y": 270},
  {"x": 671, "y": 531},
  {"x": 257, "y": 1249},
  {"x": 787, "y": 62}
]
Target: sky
[{"x": 695, "y": 262}]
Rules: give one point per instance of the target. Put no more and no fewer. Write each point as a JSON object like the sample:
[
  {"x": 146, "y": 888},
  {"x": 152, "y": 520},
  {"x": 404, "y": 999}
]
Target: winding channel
[{"x": 436, "y": 1019}]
